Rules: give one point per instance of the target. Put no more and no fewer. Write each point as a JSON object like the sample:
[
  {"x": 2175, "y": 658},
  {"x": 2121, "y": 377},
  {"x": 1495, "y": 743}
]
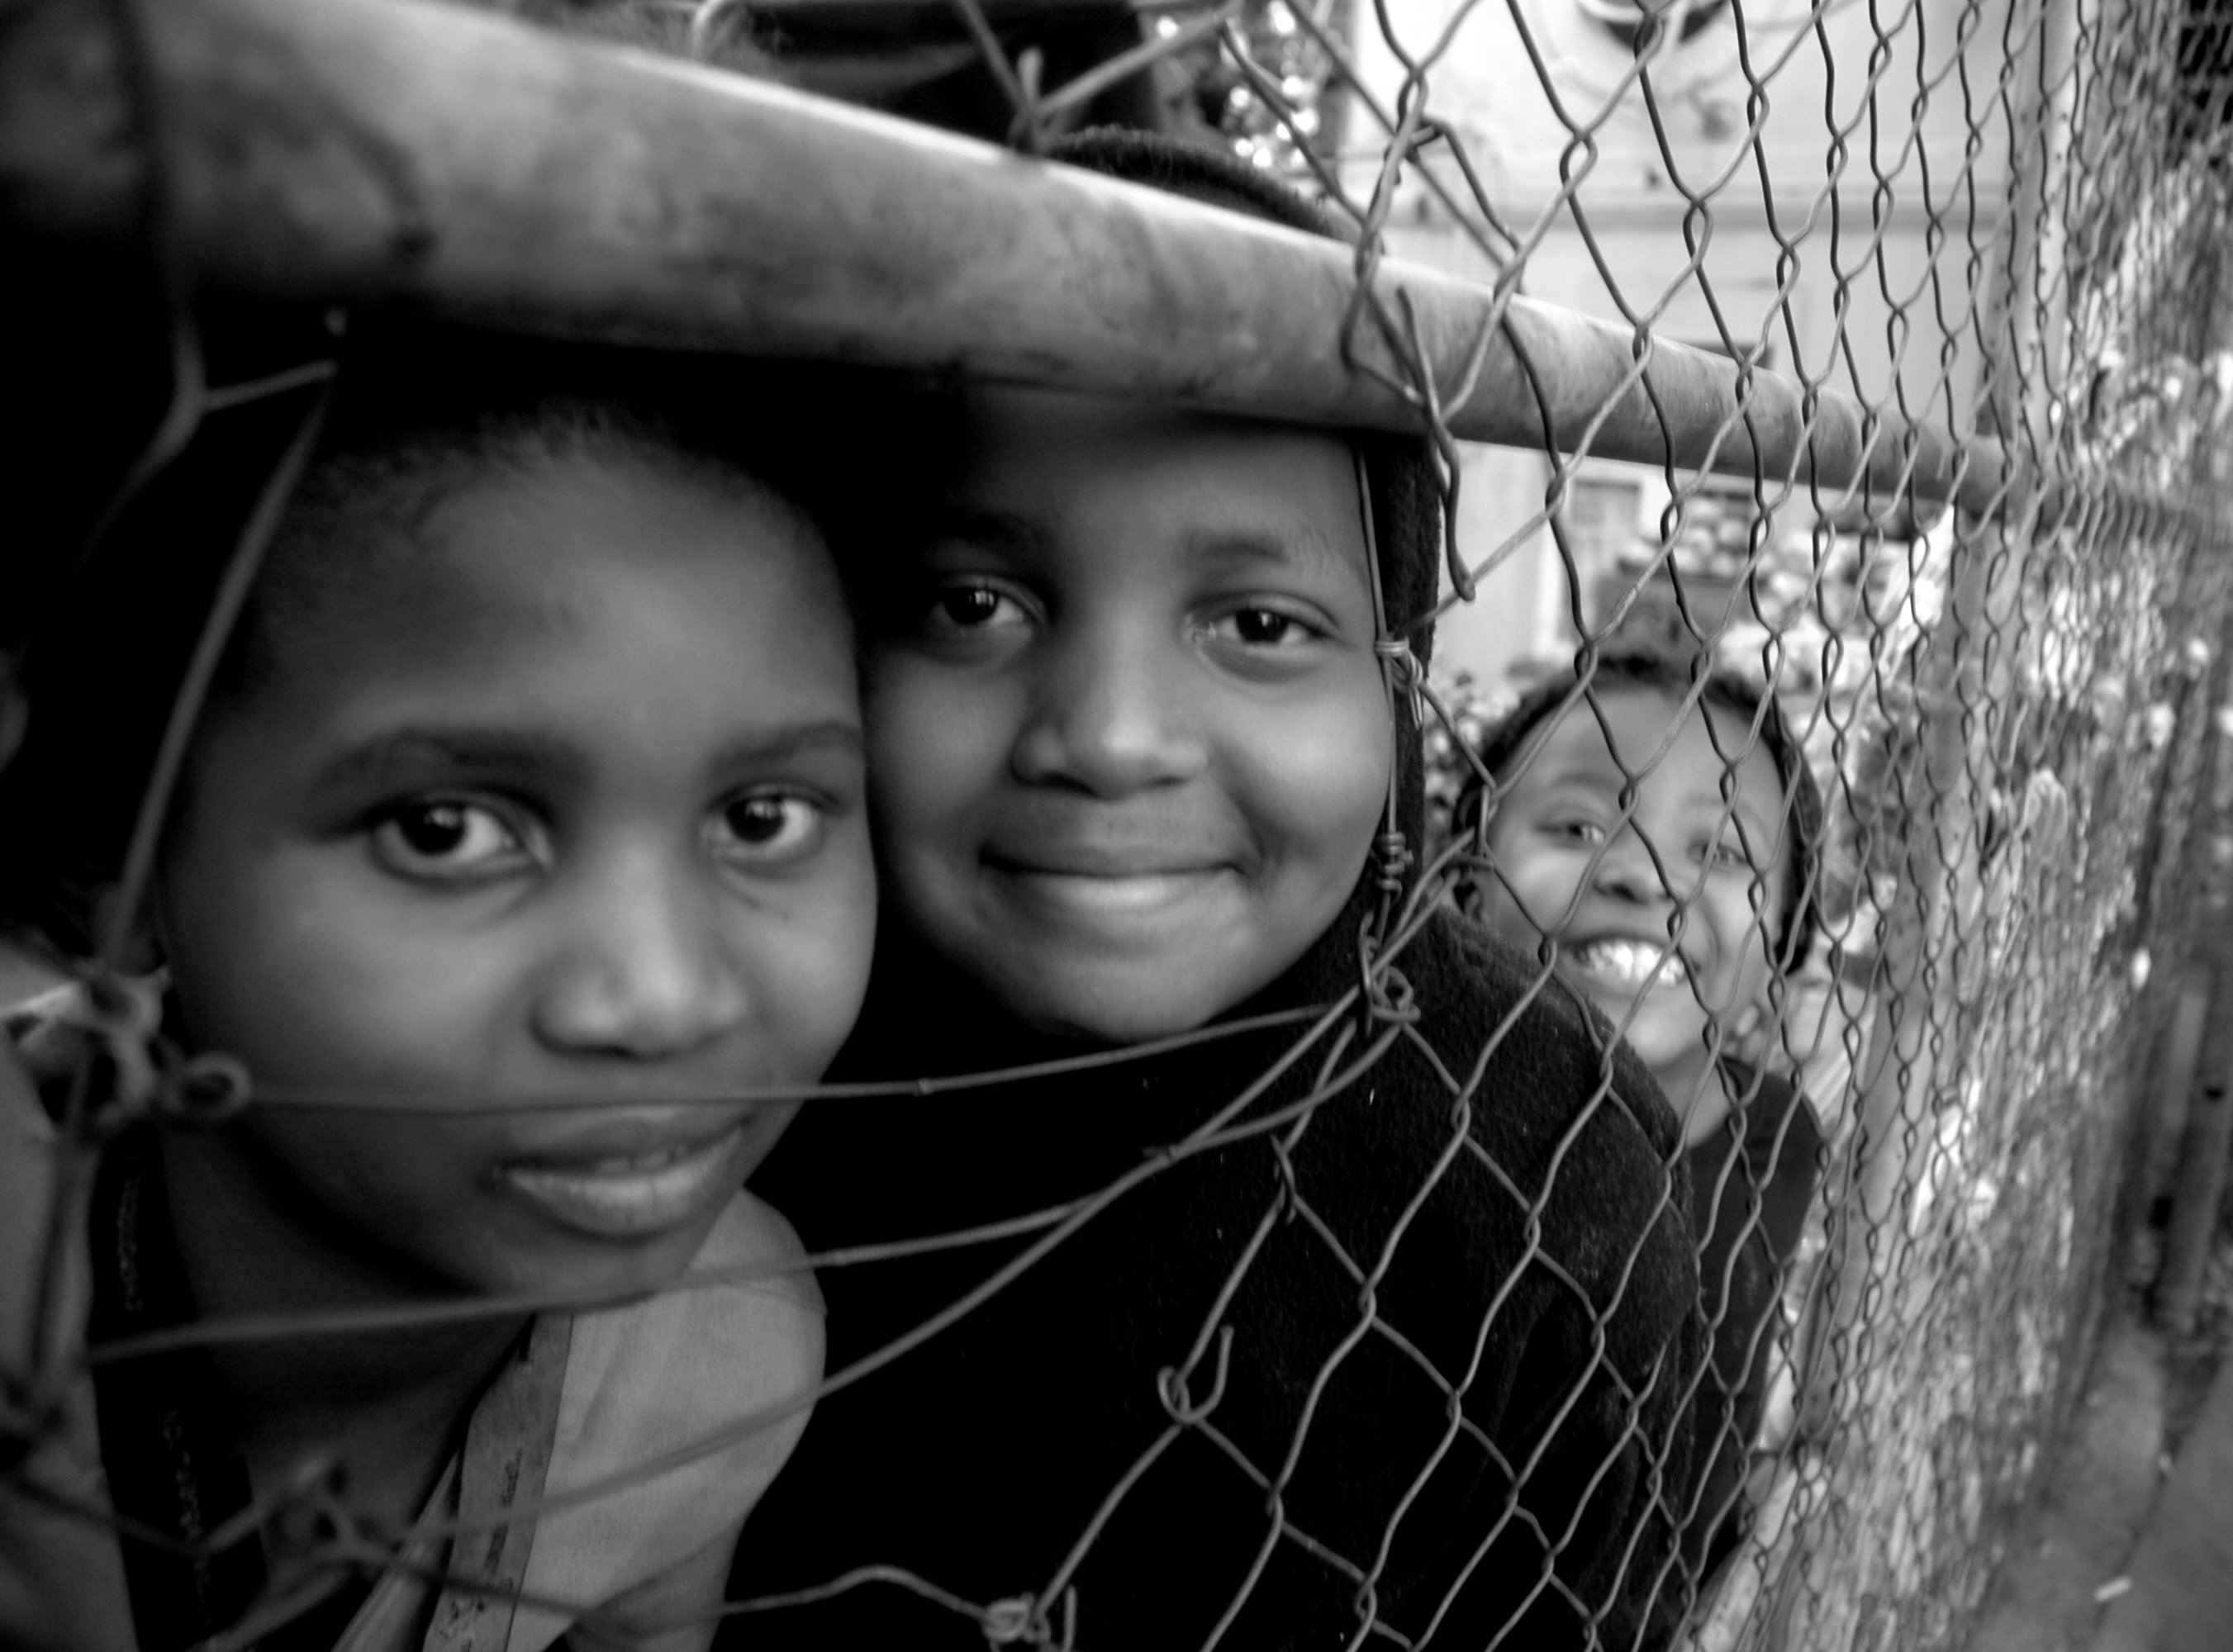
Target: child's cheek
[
  {"x": 811, "y": 946},
  {"x": 941, "y": 740},
  {"x": 1530, "y": 888},
  {"x": 1504, "y": 914},
  {"x": 359, "y": 1004},
  {"x": 362, "y": 1041},
  {"x": 422, "y": 1188},
  {"x": 934, "y": 754},
  {"x": 1320, "y": 775}
]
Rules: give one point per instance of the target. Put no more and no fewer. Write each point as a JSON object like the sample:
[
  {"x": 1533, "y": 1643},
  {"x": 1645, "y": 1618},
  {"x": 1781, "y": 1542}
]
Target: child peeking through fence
[
  {"x": 521, "y": 838},
  {"x": 1329, "y": 1283},
  {"x": 1656, "y": 839}
]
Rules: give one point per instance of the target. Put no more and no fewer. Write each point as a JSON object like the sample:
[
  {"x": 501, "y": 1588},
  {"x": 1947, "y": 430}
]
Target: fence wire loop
[{"x": 1171, "y": 1387}]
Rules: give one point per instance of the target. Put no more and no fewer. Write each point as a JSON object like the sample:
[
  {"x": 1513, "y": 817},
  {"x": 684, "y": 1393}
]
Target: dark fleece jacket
[{"x": 1193, "y": 1411}]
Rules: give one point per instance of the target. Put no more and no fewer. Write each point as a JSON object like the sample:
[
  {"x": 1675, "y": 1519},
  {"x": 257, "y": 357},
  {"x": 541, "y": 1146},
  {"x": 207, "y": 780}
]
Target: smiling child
[
  {"x": 1131, "y": 753},
  {"x": 522, "y": 834},
  {"x": 1662, "y": 846},
  {"x": 1116, "y": 836}
]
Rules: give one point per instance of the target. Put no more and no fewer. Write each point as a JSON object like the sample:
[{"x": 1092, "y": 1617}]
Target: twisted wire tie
[
  {"x": 203, "y": 1092},
  {"x": 123, "y": 1017},
  {"x": 1395, "y": 652},
  {"x": 1393, "y": 853},
  {"x": 1008, "y": 1621},
  {"x": 148, "y": 1076},
  {"x": 1375, "y": 1000},
  {"x": 1394, "y": 1000},
  {"x": 1405, "y": 675}
]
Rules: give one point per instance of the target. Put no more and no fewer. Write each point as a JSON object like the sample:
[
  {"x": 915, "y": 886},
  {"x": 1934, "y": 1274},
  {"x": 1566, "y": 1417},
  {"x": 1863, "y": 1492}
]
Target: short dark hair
[{"x": 1659, "y": 670}]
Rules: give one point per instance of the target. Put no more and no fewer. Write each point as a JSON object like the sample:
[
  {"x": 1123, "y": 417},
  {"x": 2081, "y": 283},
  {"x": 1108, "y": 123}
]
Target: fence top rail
[{"x": 434, "y": 156}]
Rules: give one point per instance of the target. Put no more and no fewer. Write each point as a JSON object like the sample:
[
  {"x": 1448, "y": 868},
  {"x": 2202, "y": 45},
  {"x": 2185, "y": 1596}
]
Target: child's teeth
[{"x": 1630, "y": 963}]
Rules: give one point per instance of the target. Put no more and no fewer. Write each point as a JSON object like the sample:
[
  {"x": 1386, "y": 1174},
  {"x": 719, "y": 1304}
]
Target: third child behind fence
[{"x": 1715, "y": 847}]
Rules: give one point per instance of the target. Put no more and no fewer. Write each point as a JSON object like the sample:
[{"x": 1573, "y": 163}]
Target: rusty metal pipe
[{"x": 470, "y": 165}]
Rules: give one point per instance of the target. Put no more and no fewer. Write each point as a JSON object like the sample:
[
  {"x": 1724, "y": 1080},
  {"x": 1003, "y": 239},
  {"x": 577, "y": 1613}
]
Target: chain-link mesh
[{"x": 1904, "y": 481}]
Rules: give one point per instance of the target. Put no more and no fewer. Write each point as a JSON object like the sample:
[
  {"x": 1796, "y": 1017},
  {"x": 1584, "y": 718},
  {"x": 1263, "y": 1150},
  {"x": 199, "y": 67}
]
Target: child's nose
[
  {"x": 644, "y": 971},
  {"x": 1113, "y": 716},
  {"x": 1625, "y": 868}
]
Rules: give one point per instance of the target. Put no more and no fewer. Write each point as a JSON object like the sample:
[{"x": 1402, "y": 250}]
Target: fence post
[
  {"x": 2207, "y": 1143},
  {"x": 2208, "y": 1138},
  {"x": 2172, "y": 1078}
]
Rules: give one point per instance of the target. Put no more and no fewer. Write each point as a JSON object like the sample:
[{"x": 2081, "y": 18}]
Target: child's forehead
[
  {"x": 1043, "y": 467},
  {"x": 483, "y": 551},
  {"x": 1658, "y": 740},
  {"x": 1067, "y": 438}
]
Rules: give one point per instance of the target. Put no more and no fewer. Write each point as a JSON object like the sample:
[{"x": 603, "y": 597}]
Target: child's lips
[
  {"x": 1105, "y": 886},
  {"x": 1102, "y": 896},
  {"x": 630, "y": 1195}
]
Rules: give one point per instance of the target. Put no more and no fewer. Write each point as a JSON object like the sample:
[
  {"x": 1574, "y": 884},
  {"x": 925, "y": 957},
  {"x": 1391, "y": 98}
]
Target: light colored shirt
[{"x": 666, "y": 1420}]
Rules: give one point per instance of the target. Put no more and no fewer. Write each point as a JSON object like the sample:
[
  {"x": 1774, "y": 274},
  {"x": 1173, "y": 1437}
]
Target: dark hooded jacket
[{"x": 1413, "y": 1358}]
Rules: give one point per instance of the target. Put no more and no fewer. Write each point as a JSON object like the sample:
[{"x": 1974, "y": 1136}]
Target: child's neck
[{"x": 385, "y": 1404}]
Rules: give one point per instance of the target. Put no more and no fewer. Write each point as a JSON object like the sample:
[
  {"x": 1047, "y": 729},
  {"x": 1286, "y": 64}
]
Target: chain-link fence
[{"x": 1815, "y": 414}]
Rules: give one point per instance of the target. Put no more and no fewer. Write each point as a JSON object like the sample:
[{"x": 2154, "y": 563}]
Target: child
[
  {"x": 522, "y": 837},
  {"x": 1131, "y": 750},
  {"x": 1717, "y": 848}
]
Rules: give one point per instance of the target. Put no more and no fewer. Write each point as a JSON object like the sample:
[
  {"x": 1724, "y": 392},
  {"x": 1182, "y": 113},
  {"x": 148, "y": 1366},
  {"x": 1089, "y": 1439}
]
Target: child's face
[
  {"x": 1129, "y": 742},
  {"x": 562, "y": 800},
  {"x": 1564, "y": 869}
]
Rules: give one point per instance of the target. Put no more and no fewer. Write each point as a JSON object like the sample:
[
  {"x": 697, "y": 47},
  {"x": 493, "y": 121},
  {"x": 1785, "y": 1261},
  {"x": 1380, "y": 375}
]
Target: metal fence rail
[
  {"x": 489, "y": 171},
  {"x": 1894, "y": 333}
]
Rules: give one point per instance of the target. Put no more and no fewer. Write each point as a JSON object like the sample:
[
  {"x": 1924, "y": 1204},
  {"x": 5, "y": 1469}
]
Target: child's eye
[
  {"x": 764, "y": 827},
  {"x": 1585, "y": 832},
  {"x": 448, "y": 838},
  {"x": 975, "y": 606},
  {"x": 1723, "y": 852},
  {"x": 1262, "y": 628},
  {"x": 1726, "y": 854}
]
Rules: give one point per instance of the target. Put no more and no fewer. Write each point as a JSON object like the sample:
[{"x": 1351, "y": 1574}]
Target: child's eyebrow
[
  {"x": 988, "y": 530},
  {"x": 1592, "y": 769},
  {"x": 1302, "y": 548},
  {"x": 402, "y": 754},
  {"x": 773, "y": 746},
  {"x": 416, "y": 755}
]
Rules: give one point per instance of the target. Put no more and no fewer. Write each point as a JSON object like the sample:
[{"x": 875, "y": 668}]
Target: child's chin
[
  {"x": 1661, "y": 1034},
  {"x": 1114, "y": 1013},
  {"x": 578, "y": 1269}
]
